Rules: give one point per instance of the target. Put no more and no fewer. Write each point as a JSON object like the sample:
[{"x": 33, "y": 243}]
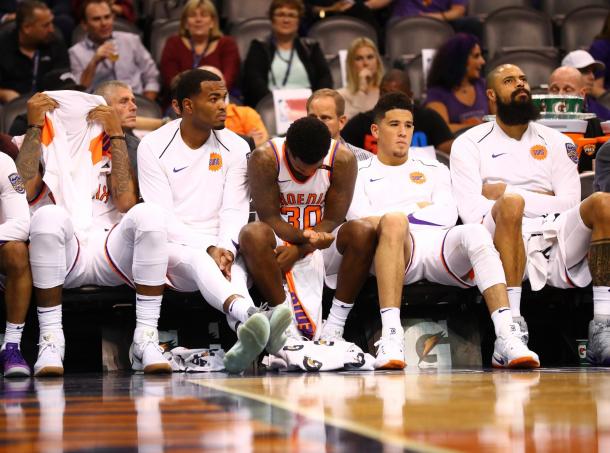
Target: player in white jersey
[
  {"x": 520, "y": 180},
  {"x": 125, "y": 242},
  {"x": 14, "y": 266},
  {"x": 301, "y": 188},
  {"x": 196, "y": 170},
  {"x": 410, "y": 203}
]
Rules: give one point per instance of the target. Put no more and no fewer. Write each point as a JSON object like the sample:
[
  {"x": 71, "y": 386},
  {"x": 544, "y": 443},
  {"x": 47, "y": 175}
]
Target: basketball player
[
  {"x": 519, "y": 178},
  {"x": 410, "y": 203},
  {"x": 195, "y": 169},
  {"x": 312, "y": 176},
  {"x": 124, "y": 242}
]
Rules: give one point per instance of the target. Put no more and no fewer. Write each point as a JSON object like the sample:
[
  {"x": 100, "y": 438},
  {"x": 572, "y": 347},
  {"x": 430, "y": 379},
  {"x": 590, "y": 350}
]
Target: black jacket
[
  {"x": 258, "y": 62},
  {"x": 602, "y": 169}
]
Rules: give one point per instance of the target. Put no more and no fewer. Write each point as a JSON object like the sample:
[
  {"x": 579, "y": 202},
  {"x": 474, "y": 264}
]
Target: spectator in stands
[
  {"x": 120, "y": 8},
  {"x": 30, "y": 51},
  {"x": 284, "y": 60},
  {"x": 364, "y": 74},
  {"x": 111, "y": 55},
  {"x": 586, "y": 65},
  {"x": 430, "y": 128},
  {"x": 62, "y": 16},
  {"x": 600, "y": 51},
  {"x": 456, "y": 89},
  {"x": 319, "y": 9},
  {"x": 200, "y": 42},
  {"x": 601, "y": 183}
]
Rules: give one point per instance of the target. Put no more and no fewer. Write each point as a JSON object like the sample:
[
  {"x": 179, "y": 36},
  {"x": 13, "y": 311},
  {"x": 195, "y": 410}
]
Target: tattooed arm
[
  {"x": 28, "y": 159},
  {"x": 121, "y": 181}
]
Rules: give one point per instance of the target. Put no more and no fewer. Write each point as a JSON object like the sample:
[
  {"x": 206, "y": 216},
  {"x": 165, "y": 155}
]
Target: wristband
[
  {"x": 30, "y": 126},
  {"x": 118, "y": 137}
]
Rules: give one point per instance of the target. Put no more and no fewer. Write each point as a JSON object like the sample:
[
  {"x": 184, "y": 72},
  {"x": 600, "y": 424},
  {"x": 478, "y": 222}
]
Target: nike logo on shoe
[
  {"x": 176, "y": 170},
  {"x": 376, "y": 179},
  {"x": 500, "y": 360},
  {"x": 493, "y": 156}
]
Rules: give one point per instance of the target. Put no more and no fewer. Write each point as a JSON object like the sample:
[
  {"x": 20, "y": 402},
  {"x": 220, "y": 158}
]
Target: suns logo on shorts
[
  {"x": 538, "y": 152},
  {"x": 215, "y": 162},
  {"x": 417, "y": 177}
]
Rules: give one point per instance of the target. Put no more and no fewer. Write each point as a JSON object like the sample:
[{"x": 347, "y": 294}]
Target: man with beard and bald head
[{"x": 519, "y": 179}]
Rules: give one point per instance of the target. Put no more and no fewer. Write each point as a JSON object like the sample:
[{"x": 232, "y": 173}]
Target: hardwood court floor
[{"x": 551, "y": 410}]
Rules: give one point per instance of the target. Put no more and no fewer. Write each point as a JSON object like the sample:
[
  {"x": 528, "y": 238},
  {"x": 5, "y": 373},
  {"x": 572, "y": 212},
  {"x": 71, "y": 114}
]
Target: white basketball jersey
[{"x": 302, "y": 202}]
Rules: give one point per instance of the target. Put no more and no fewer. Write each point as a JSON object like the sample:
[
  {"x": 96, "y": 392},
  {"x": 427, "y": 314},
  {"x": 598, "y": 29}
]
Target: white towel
[{"x": 195, "y": 360}]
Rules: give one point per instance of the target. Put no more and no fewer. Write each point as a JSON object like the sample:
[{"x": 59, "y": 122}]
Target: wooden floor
[{"x": 552, "y": 410}]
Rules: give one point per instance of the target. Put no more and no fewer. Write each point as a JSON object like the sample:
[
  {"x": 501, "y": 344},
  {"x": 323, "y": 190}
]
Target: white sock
[
  {"x": 502, "y": 319},
  {"x": 148, "y": 310},
  {"x": 13, "y": 333},
  {"x": 390, "y": 321},
  {"x": 239, "y": 308},
  {"x": 601, "y": 301},
  {"x": 339, "y": 311},
  {"x": 49, "y": 318},
  {"x": 514, "y": 300}
]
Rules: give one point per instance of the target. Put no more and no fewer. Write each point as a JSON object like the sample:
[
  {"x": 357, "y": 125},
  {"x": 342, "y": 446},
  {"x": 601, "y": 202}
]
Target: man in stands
[{"x": 587, "y": 66}]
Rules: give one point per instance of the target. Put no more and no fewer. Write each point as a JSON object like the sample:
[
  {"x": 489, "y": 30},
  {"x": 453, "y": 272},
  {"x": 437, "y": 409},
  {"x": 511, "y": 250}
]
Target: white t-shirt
[
  {"x": 543, "y": 160},
  {"x": 14, "y": 212},
  {"x": 205, "y": 190},
  {"x": 381, "y": 189}
]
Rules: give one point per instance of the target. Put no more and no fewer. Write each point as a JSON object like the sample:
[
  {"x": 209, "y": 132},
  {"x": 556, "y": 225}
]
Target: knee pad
[
  {"x": 478, "y": 245},
  {"x": 51, "y": 220},
  {"x": 147, "y": 217}
]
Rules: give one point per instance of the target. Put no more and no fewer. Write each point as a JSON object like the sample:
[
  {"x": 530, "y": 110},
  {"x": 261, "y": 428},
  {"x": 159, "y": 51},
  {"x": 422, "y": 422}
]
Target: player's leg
[
  {"x": 15, "y": 265},
  {"x": 54, "y": 251},
  {"x": 349, "y": 257},
  {"x": 595, "y": 214},
  {"x": 137, "y": 248},
  {"x": 470, "y": 247}
]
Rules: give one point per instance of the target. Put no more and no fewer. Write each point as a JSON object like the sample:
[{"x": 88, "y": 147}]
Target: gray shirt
[
  {"x": 135, "y": 66},
  {"x": 601, "y": 182}
]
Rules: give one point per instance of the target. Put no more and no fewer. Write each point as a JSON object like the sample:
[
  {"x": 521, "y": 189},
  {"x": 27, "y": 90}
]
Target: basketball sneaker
[
  {"x": 525, "y": 334},
  {"x": 390, "y": 353},
  {"x": 331, "y": 332},
  {"x": 50, "y": 354},
  {"x": 13, "y": 363},
  {"x": 598, "y": 348},
  {"x": 145, "y": 353},
  {"x": 280, "y": 318},
  {"x": 252, "y": 337},
  {"x": 510, "y": 352}
]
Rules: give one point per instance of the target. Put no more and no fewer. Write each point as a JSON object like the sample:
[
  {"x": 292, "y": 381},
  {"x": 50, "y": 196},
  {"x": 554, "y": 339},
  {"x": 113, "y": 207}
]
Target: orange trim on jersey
[
  {"x": 412, "y": 253},
  {"x": 96, "y": 147},
  {"x": 333, "y": 154},
  {"x": 48, "y": 132},
  {"x": 446, "y": 266},
  {"x": 276, "y": 154},
  {"x": 113, "y": 266},
  {"x": 304, "y": 323}
]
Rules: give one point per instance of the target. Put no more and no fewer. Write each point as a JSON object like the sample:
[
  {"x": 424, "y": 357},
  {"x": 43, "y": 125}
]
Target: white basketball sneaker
[
  {"x": 252, "y": 337},
  {"x": 510, "y": 352},
  {"x": 50, "y": 354},
  {"x": 390, "y": 353},
  {"x": 145, "y": 354},
  {"x": 331, "y": 332}
]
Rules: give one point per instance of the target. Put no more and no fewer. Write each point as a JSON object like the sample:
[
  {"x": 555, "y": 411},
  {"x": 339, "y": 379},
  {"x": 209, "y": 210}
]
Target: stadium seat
[
  {"x": 13, "y": 109},
  {"x": 237, "y": 11},
  {"x": 79, "y": 32},
  {"x": 334, "y": 64},
  {"x": 415, "y": 71},
  {"x": 167, "y": 9},
  {"x": 581, "y": 25},
  {"x": 558, "y": 9},
  {"x": 160, "y": 34},
  {"x": 148, "y": 108},
  {"x": 586, "y": 184},
  {"x": 244, "y": 32},
  {"x": 516, "y": 28},
  {"x": 266, "y": 110},
  {"x": 337, "y": 33},
  {"x": 406, "y": 37},
  {"x": 482, "y": 8},
  {"x": 536, "y": 66}
]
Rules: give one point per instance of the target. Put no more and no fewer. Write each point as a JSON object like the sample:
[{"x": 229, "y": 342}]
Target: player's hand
[
  {"x": 318, "y": 240},
  {"x": 493, "y": 191},
  {"x": 223, "y": 259},
  {"x": 286, "y": 256},
  {"x": 38, "y": 106},
  {"x": 108, "y": 118}
]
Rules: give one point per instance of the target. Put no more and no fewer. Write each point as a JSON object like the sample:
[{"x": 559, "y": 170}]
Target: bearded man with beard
[{"x": 520, "y": 180}]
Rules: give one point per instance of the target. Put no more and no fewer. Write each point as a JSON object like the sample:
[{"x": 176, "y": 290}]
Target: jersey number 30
[{"x": 310, "y": 216}]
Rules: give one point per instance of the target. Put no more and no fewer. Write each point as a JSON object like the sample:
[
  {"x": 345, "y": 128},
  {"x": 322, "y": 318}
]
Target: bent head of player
[
  {"x": 307, "y": 144},
  {"x": 393, "y": 127},
  {"x": 509, "y": 90},
  {"x": 201, "y": 97}
]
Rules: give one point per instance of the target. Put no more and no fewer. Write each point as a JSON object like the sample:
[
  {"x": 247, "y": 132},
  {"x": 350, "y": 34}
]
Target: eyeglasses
[{"x": 286, "y": 15}]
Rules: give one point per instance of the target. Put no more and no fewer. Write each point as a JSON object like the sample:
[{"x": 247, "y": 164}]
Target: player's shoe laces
[
  {"x": 525, "y": 334},
  {"x": 50, "y": 355},
  {"x": 145, "y": 354},
  {"x": 280, "y": 318},
  {"x": 13, "y": 363},
  {"x": 252, "y": 337},
  {"x": 331, "y": 332},
  {"x": 598, "y": 348},
  {"x": 390, "y": 353},
  {"x": 510, "y": 352}
]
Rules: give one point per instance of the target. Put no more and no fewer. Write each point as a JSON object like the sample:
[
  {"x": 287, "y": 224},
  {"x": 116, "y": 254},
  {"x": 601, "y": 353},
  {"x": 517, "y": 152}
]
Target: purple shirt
[
  {"x": 592, "y": 106},
  {"x": 600, "y": 50},
  {"x": 457, "y": 111},
  {"x": 403, "y": 8}
]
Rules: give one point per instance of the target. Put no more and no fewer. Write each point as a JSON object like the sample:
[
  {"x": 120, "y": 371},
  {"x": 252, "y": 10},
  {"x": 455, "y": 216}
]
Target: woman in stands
[
  {"x": 200, "y": 42},
  {"x": 284, "y": 60},
  {"x": 456, "y": 89},
  {"x": 364, "y": 74},
  {"x": 600, "y": 50}
]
